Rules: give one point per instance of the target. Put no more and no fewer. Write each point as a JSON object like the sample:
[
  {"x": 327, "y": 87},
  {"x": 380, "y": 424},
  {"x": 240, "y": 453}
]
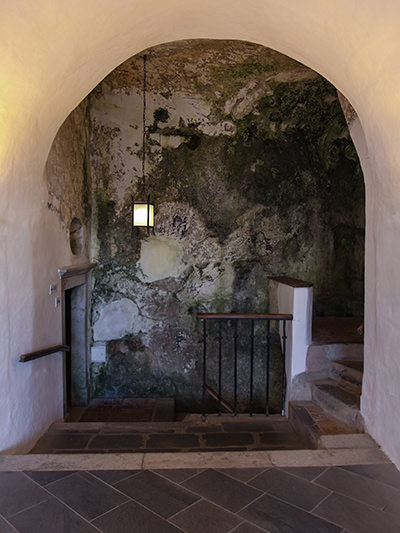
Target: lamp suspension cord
[{"x": 144, "y": 121}]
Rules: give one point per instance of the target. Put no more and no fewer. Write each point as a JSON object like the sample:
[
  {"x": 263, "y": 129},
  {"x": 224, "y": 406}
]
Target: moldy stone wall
[
  {"x": 68, "y": 180},
  {"x": 253, "y": 173}
]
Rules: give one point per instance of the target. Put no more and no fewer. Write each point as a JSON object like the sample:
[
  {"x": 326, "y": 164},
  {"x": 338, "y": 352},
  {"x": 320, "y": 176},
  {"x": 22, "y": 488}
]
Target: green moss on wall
[
  {"x": 97, "y": 380},
  {"x": 253, "y": 173}
]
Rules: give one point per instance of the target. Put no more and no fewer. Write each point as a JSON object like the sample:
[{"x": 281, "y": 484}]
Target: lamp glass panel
[{"x": 140, "y": 214}]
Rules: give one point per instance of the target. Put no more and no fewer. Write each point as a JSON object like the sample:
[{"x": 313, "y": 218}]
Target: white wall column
[{"x": 295, "y": 297}]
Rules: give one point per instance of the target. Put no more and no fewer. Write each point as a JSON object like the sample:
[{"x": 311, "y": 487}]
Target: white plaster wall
[
  {"x": 297, "y": 301},
  {"x": 50, "y": 61},
  {"x": 301, "y": 328}
]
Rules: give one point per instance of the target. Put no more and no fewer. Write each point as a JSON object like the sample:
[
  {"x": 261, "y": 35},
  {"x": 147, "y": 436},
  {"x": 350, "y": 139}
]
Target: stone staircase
[
  {"x": 339, "y": 394},
  {"x": 332, "y": 388},
  {"x": 334, "y": 378}
]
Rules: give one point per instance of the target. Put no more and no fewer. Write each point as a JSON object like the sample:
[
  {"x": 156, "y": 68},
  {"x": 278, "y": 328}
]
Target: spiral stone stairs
[{"x": 334, "y": 376}]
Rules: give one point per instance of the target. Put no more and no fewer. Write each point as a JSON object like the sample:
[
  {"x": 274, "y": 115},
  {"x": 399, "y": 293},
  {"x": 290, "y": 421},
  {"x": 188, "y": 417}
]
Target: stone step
[
  {"x": 320, "y": 356},
  {"x": 348, "y": 374},
  {"x": 125, "y": 410},
  {"x": 311, "y": 422},
  {"x": 340, "y": 403},
  {"x": 343, "y": 330},
  {"x": 224, "y": 433},
  {"x": 190, "y": 423},
  {"x": 354, "y": 440}
]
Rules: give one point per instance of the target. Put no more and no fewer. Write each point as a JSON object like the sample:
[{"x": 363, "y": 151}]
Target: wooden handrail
[
  {"x": 246, "y": 316},
  {"x": 43, "y": 352},
  {"x": 291, "y": 282}
]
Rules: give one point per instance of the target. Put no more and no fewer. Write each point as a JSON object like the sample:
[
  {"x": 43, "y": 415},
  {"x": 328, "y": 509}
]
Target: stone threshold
[{"x": 346, "y": 452}]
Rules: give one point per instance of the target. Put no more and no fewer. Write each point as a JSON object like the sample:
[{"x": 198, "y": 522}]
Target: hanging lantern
[
  {"x": 143, "y": 214},
  {"x": 143, "y": 211}
]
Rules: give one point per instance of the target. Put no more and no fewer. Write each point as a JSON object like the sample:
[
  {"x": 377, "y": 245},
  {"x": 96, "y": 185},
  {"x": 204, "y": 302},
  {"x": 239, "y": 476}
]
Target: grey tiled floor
[{"x": 364, "y": 499}]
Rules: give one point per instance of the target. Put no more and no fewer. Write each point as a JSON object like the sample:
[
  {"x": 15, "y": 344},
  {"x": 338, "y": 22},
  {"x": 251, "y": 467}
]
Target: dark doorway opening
[
  {"x": 75, "y": 283},
  {"x": 76, "y": 364},
  {"x": 67, "y": 326}
]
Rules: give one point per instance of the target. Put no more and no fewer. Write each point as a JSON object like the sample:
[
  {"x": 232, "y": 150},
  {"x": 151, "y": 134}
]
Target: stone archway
[
  {"x": 346, "y": 53},
  {"x": 253, "y": 173}
]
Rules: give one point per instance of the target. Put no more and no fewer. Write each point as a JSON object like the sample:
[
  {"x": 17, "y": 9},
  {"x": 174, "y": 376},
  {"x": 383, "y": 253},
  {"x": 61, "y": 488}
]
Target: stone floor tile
[
  {"x": 277, "y": 510},
  {"x": 156, "y": 493},
  {"x": 393, "y": 506},
  {"x": 113, "y": 476},
  {"x": 257, "y": 459},
  {"x": 72, "y": 462},
  {"x": 222, "y": 490},
  {"x": 242, "y": 474},
  {"x": 276, "y": 517},
  {"x": 246, "y": 527},
  {"x": 205, "y": 517},
  {"x": 204, "y": 429},
  {"x": 5, "y": 527},
  {"x": 289, "y": 458},
  {"x": 131, "y": 517},
  {"x": 306, "y": 472},
  {"x": 78, "y": 452},
  {"x": 44, "y": 477},
  {"x": 385, "y": 473},
  {"x": 166, "y": 441},
  {"x": 228, "y": 440},
  {"x": 253, "y": 425},
  {"x": 18, "y": 492},
  {"x": 178, "y": 475},
  {"x": 160, "y": 451},
  {"x": 282, "y": 426},
  {"x": 135, "y": 429},
  {"x": 281, "y": 441},
  {"x": 65, "y": 441},
  {"x": 358, "y": 487},
  {"x": 221, "y": 449},
  {"x": 290, "y": 489},
  {"x": 50, "y": 516},
  {"x": 116, "y": 442},
  {"x": 356, "y": 516},
  {"x": 86, "y": 494}
]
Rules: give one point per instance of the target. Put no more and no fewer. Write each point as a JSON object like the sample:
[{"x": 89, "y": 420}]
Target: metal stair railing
[{"x": 234, "y": 319}]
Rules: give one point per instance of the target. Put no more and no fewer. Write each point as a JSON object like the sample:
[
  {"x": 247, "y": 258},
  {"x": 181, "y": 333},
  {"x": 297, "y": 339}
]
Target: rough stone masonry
[{"x": 253, "y": 173}]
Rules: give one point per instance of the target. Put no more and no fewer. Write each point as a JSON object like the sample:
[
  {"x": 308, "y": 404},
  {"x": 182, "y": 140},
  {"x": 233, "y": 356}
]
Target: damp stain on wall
[{"x": 253, "y": 173}]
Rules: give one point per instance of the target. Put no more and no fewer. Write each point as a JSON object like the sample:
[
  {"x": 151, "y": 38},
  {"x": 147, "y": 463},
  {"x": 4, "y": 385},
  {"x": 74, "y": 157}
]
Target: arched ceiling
[{"x": 53, "y": 54}]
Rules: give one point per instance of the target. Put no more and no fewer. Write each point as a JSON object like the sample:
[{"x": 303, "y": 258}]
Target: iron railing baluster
[
  {"x": 284, "y": 337},
  {"x": 235, "y": 339},
  {"x": 251, "y": 366},
  {"x": 219, "y": 366},
  {"x": 267, "y": 368},
  {"x": 203, "y": 413}
]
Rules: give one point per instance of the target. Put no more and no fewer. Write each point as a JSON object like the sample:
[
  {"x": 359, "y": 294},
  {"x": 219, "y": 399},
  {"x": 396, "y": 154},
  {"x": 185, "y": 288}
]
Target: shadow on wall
[{"x": 253, "y": 173}]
